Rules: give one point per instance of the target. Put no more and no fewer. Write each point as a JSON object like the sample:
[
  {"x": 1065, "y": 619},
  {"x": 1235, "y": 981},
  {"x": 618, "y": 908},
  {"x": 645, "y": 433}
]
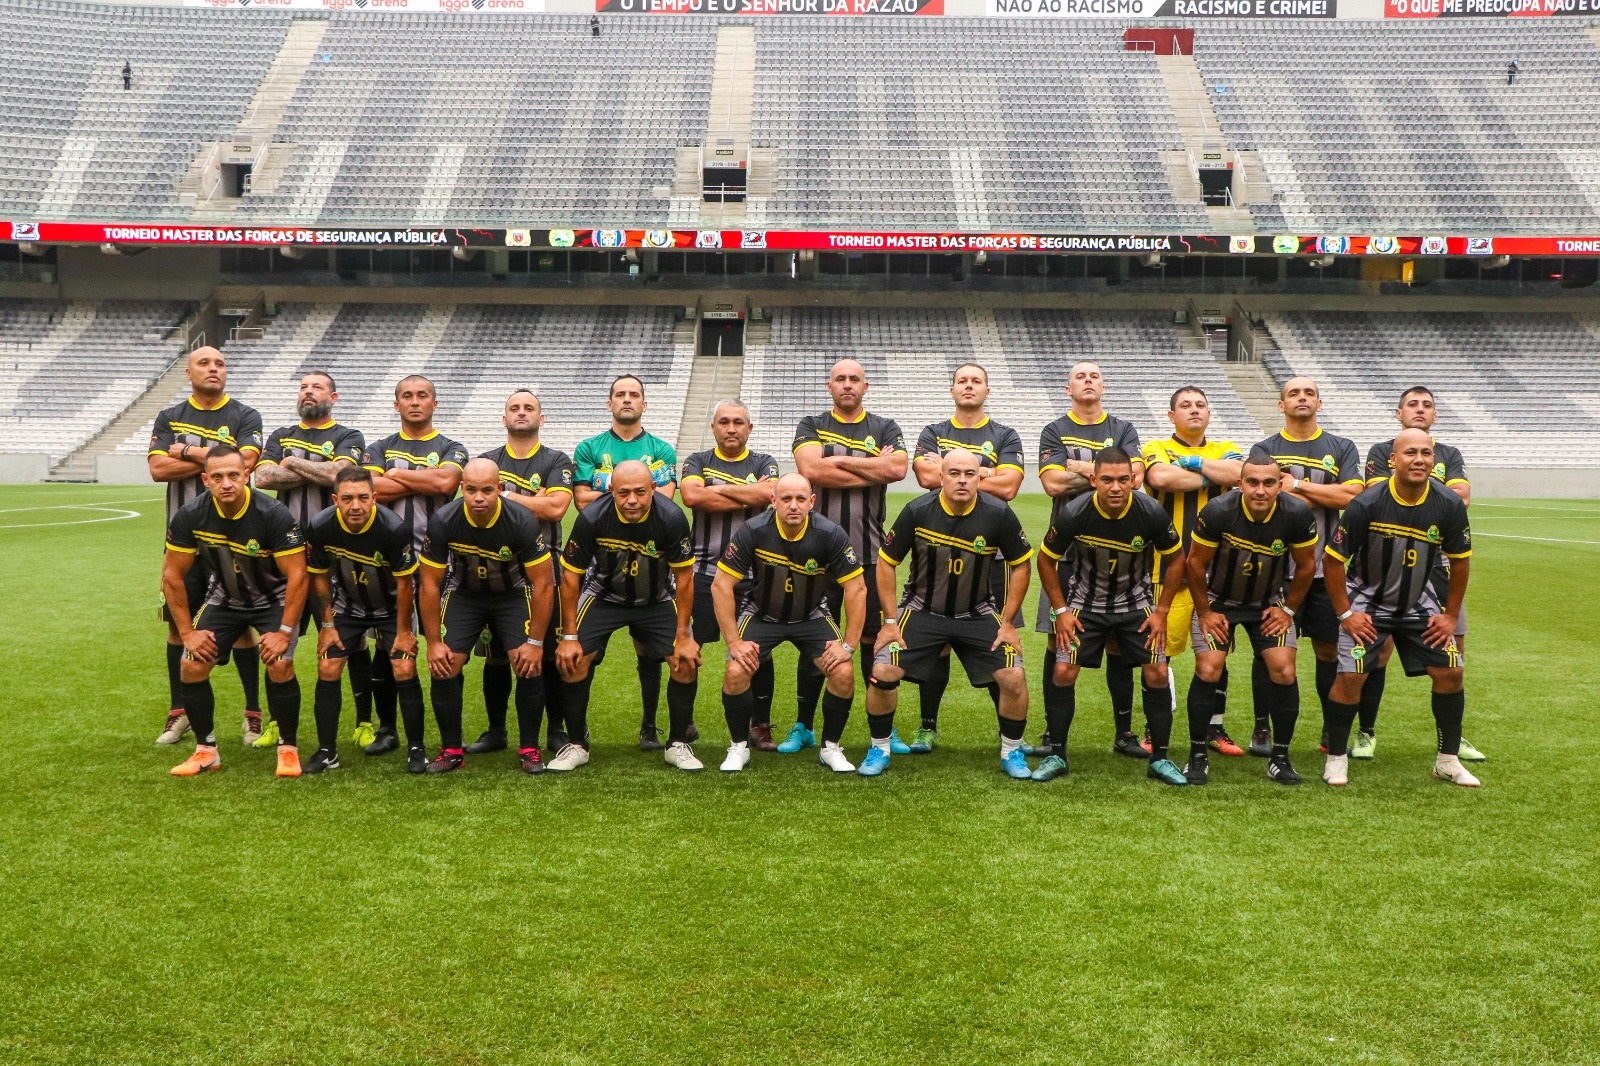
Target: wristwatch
[
  {"x": 848, "y": 650},
  {"x": 325, "y": 625},
  {"x": 1057, "y": 612},
  {"x": 536, "y": 643},
  {"x": 569, "y": 636},
  {"x": 1347, "y": 614}
]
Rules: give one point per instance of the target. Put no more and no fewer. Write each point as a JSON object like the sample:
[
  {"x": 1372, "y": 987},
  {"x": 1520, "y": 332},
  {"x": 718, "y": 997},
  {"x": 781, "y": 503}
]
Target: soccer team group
[{"x": 1184, "y": 541}]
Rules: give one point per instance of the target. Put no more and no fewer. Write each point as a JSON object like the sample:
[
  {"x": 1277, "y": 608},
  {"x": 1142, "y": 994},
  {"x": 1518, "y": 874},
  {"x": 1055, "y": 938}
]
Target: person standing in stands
[
  {"x": 594, "y": 25},
  {"x": 1512, "y": 68},
  {"x": 127, "y": 75}
]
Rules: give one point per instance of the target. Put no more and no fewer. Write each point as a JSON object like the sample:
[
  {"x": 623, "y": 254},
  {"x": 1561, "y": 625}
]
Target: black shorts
[
  {"x": 655, "y": 625},
  {"x": 1415, "y": 656},
  {"x": 467, "y": 615},
  {"x": 227, "y": 625},
  {"x": 353, "y": 634},
  {"x": 925, "y": 635},
  {"x": 490, "y": 648},
  {"x": 1099, "y": 628},
  {"x": 1317, "y": 618},
  {"x": 810, "y": 636},
  {"x": 1440, "y": 581},
  {"x": 833, "y": 599},
  {"x": 1251, "y": 621},
  {"x": 197, "y": 582},
  {"x": 706, "y": 630}
]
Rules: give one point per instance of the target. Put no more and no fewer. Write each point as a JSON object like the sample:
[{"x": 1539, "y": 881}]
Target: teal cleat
[
  {"x": 923, "y": 741},
  {"x": 1052, "y": 767},
  {"x": 799, "y": 737},
  {"x": 875, "y": 763},
  {"x": 1166, "y": 771},
  {"x": 896, "y": 745},
  {"x": 1015, "y": 766}
]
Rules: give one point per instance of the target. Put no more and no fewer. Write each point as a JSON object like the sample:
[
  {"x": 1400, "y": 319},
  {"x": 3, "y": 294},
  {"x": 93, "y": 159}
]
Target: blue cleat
[
  {"x": 875, "y": 763},
  {"x": 799, "y": 737},
  {"x": 1052, "y": 767},
  {"x": 896, "y": 745},
  {"x": 1166, "y": 771},
  {"x": 1016, "y": 766}
]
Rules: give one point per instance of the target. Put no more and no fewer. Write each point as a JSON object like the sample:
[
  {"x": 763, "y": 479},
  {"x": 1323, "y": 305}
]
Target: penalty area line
[
  {"x": 72, "y": 506},
  {"x": 1542, "y": 540},
  {"x": 118, "y": 516}
]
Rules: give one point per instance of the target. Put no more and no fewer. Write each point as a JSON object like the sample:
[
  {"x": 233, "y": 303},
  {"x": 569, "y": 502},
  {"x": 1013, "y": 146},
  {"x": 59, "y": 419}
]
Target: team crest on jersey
[
  {"x": 1438, "y": 471},
  {"x": 979, "y": 544},
  {"x": 869, "y": 444},
  {"x": 1328, "y": 463},
  {"x": 811, "y": 566},
  {"x": 534, "y": 482},
  {"x": 222, "y": 432},
  {"x": 252, "y": 547},
  {"x": 988, "y": 449},
  {"x": 433, "y": 459},
  {"x": 1433, "y": 535},
  {"x": 651, "y": 550},
  {"x": 505, "y": 552},
  {"x": 750, "y": 479},
  {"x": 1138, "y": 544},
  {"x": 377, "y": 558},
  {"x": 1109, "y": 442},
  {"x": 327, "y": 449},
  {"x": 1277, "y": 547}
]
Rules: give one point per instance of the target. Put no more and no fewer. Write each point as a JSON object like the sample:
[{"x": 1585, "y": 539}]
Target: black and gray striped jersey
[
  {"x": 400, "y": 452},
  {"x": 1390, "y": 548},
  {"x": 997, "y": 446},
  {"x": 713, "y": 530},
  {"x": 860, "y": 512},
  {"x": 952, "y": 553},
  {"x": 331, "y": 443},
  {"x": 1068, "y": 438},
  {"x": 1107, "y": 561},
  {"x": 362, "y": 564},
  {"x": 630, "y": 564},
  {"x": 485, "y": 559},
  {"x": 544, "y": 469},
  {"x": 789, "y": 578},
  {"x": 1449, "y": 465},
  {"x": 186, "y": 422},
  {"x": 242, "y": 551},
  {"x": 1324, "y": 459},
  {"x": 1250, "y": 567}
]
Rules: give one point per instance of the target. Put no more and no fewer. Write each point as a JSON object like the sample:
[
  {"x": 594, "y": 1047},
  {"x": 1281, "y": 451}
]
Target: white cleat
[
  {"x": 832, "y": 756},
  {"x": 738, "y": 758},
  {"x": 177, "y": 725},
  {"x": 681, "y": 755},
  {"x": 1337, "y": 770},
  {"x": 1449, "y": 768},
  {"x": 570, "y": 757},
  {"x": 251, "y": 730}
]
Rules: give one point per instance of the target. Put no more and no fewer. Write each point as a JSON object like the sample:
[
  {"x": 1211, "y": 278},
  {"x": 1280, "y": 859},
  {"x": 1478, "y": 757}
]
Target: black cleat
[
  {"x": 417, "y": 760},
  {"x": 491, "y": 740},
  {"x": 1128, "y": 744},
  {"x": 693, "y": 733},
  {"x": 386, "y": 742},
  {"x": 1197, "y": 770},
  {"x": 322, "y": 759},
  {"x": 558, "y": 740},
  {"x": 649, "y": 738},
  {"x": 1281, "y": 772},
  {"x": 446, "y": 762},
  {"x": 1261, "y": 744},
  {"x": 530, "y": 762},
  {"x": 1046, "y": 747}
]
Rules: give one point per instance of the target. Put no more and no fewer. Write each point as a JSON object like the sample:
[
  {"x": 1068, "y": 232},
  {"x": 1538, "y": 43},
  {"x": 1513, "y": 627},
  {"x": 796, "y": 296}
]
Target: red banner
[
  {"x": 770, "y": 7},
  {"x": 1444, "y": 9}
]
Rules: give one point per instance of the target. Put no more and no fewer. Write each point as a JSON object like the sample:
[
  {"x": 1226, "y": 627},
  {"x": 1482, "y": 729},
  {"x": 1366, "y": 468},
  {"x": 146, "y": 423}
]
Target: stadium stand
[
  {"x": 1395, "y": 126},
  {"x": 909, "y": 354},
  {"x": 476, "y": 354},
  {"x": 67, "y": 369},
  {"x": 1510, "y": 388},
  {"x": 74, "y": 144}
]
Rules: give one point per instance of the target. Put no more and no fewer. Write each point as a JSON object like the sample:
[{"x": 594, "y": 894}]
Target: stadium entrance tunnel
[{"x": 722, "y": 337}]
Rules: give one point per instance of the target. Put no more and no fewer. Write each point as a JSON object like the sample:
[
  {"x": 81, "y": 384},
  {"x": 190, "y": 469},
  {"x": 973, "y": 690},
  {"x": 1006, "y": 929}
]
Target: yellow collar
[
  {"x": 513, "y": 452},
  {"x": 733, "y": 458},
  {"x": 1081, "y": 422},
  {"x": 233, "y": 518},
  {"x": 1119, "y": 514},
  {"x": 1426, "y": 488},
  {"x": 498, "y": 503},
  {"x": 957, "y": 514},
  {"x": 220, "y": 403},
  {"x": 432, "y": 433},
  {"x": 1299, "y": 440},
  {"x": 1245, "y": 507},
  {"x": 372, "y": 516},
  {"x": 803, "y": 527},
  {"x": 861, "y": 416},
  {"x": 979, "y": 424},
  {"x": 624, "y": 518},
  {"x": 329, "y": 424}
]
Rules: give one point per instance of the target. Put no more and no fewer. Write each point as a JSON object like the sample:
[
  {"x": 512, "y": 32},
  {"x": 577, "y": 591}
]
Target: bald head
[
  {"x": 1300, "y": 400},
  {"x": 1086, "y": 386},
  {"x": 792, "y": 500},
  {"x": 1413, "y": 457},
  {"x": 481, "y": 470},
  {"x": 795, "y": 482},
  {"x": 958, "y": 480},
  {"x": 632, "y": 489},
  {"x": 847, "y": 384},
  {"x": 480, "y": 489},
  {"x": 207, "y": 371}
]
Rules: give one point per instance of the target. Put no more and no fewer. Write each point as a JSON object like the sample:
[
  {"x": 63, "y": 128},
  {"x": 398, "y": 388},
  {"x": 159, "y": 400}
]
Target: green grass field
[{"x": 941, "y": 913}]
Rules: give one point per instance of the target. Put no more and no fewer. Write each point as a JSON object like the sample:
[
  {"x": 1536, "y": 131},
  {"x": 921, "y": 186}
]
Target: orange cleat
[
  {"x": 203, "y": 760},
  {"x": 288, "y": 761},
  {"x": 1219, "y": 741}
]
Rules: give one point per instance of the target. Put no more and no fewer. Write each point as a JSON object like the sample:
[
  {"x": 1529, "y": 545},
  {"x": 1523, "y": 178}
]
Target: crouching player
[
  {"x": 362, "y": 564},
  {"x": 1239, "y": 554},
  {"x": 791, "y": 556},
  {"x": 258, "y": 565}
]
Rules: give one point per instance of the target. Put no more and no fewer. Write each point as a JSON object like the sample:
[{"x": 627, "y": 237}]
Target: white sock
[
  {"x": 1216, "y": 719},
  {"x": 881, "y": 744},
  {"x": 1007, "y": 746},
  {"x": 740, "y": 745}
]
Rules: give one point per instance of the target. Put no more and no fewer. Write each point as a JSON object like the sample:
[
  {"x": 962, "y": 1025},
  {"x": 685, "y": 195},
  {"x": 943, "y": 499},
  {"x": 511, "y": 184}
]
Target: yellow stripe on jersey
[
  {"x": 186, "y": 551},
  {"x": 1394, "y": 529},
  {"x": 955, "y": 542},
  {"x": 726, "y": 569},
  {"x": 1101, "y": 542},
  {"x": 1248, "y": 545},
  {"x": 774, "y": 559}
]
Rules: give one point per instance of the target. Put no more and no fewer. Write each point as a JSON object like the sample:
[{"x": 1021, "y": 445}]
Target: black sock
[
  {"x": 1013, "y": 728},
  {"x": 1448, "y": 711},
  {"x": 248, "y": 662},
  {"x": 497, "y": 694},
  {"x": 736, "y": 711},
  {"x": 358, "y": 664},
  {"x": 1060, "y": 704},
  {"x": 879, "y": 726},
  {"x": 1326, "y": 672},
  {"x": 530, "y": 711},
  {"x": 555, "y": 695},
  {"x": 933, "y": 691},
  {"x": 326, "y": 701},
  {"x": 1158, "y": 717},
  {"x": 1372, "y": 697},
  {"x": 1339, "y": 719},
  {"x": 649, "y": 669},
  {"x": 383, "y": 691},
  {"x": 575, "y": 706},
  {"x": 1261, "y": 693},
  {"x": 175, "y": 676},
  {"x": 835, "y": 713},
  {"x": 446, "y": 693},
  {"x": 283, "y": 700},
  {"x": 1119, "y": 682},
  {"x": 200, "y": 704},
  {"x": 808, "y": 683},
  {"x": 1201, "y": 704},
  {"x": 409, "y": 693},
  {"x": 1285, "y": 711},
  {"x": 680, "y": 708},
  {"x": 761, "y": 686}
]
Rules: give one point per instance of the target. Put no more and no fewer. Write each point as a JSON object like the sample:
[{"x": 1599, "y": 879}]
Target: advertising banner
[
  {"x": 1444, "y": 9},
  {"x": 486, "y": 7},
  {"x": 1178, "y": 9},
  {"x": 771, "y": 7}
]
